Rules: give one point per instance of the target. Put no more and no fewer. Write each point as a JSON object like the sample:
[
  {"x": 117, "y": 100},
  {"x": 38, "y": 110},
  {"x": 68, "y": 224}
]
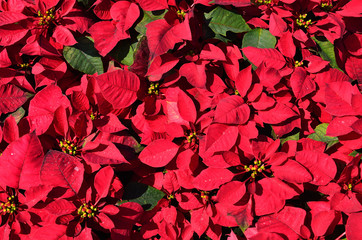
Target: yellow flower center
[
  {"x": 87, "y": 210},
  {"x": 24, "y": 65},
  {"x": 68, "y": 147},
  {"x": 180, "y": 14},
  {"x": 302, "y": 22},
  {"x": 191, "y": 138},
  {"x": 298, "y": 64},
  {"x": 347, "y": 187},
  {"x": 46, "y": 18},
  {"x": 9, "y": 207},
  {"x": 205, "y": 195},
  {"x": 326, "y": 5},
  {"x": 153, "y": 88},
  {"x": 263, "y": 2},
  {"x": 255, "y": 168}
]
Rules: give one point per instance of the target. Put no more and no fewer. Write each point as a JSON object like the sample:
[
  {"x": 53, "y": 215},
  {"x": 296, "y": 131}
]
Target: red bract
[
  {"x": 18, "y": 214},
  {"x": 107, "y": 34},
  {"x": 62, "y": 170},
  {"x": 10, "y": 31},
  {"x": 150, "y": 5},
  {"x": 43, "y": 107},
  {"x": 21, "y": 162},
  {"x": 288, "y": 222},
  {"x": 351, "y": 226},
  {"x": 271, "y": 57},
  {"x": 324, "y": 219},
  {"x": 119, "y": 88},
  {"x": 180, "y": 119},
  {"x": 159, "y": 153},
  {"x": 91, "y": 211},
  {"x": 11, "y": 98},
  {"x": 163, "y": 36}
]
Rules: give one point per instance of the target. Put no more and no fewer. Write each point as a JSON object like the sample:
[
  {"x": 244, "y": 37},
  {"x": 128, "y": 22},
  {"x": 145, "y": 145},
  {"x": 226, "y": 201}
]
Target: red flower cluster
[{"x": 187, "y": 119}]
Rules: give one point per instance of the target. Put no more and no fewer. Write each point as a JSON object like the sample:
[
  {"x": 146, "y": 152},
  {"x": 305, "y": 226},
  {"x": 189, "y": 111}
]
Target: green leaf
[
  {"x": 221, "y": 38},
  {"x": 86, "y": 3},
  {"x": 124, "y": 51},
  {"x": 143, "y": 194},
  {"x": 320, "y": 135},
  {"x": 84, "y": 57},
  {"x": 259, "y": 38},
  {"x": 18, "y": 114},
  {"x": 221, "y": 20},
  {"x": 355, "y": 153},
  {"x": 326, "y": 50},
  {"x": 242, "y": 220},
  {"x": 291, "y": 137},
  {"x": 148, "y": 17}
]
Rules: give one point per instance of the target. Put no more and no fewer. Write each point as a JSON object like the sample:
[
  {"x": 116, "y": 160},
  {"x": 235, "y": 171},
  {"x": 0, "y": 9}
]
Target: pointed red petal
[
  {"x": 270, "y": 56},
  {"x": 321, "y": 166},
  {"x": 292, "y": 172},
  {"x": 152, "y": 5},
  {"x": 20, "y": 163},
  {"x": 212, "y": 178},
  {"x": 102, "y": 154},
  {"x": 159, "y": 153},
  {"x": 277, "y": 114},
  {"x": 301, "y": 83},
  {"x": 243, "y": 81},
  {"x": 163, "y": 36},
  {"x": 119, "y": 87},
  {"x": 10, "y": 129},
  {"x": 232, "y": 110},
  {"x": 353, "y": 226},
  {"x": 102, "y": 181},
  {"x": 11, "y": 98},
  {"x": 60, "y": 207},
  {"x": 220, "y": 137},
  {"x": 63, "y": 36},
  {"x": 62, "y": 170}
]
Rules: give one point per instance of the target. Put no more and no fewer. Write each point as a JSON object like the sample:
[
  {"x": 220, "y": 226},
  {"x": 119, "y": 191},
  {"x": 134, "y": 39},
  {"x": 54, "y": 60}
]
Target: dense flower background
[{"x": 181, "y": 119}]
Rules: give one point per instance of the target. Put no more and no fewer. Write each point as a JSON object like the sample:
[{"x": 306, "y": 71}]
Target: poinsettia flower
[
  {"x": 165, "y": 218},
  {"x": 77, "y": 138},
  {"x": 43, "y": 19},
  {"x": 54, "y": 15},
  {"x": 93, "y": 210},
  {"x": 205, "y": 213},
  {"x": 17, "y": 210},
  {"x": 268, "y": 175},
  {"x": 255, "y": 104},
  {"x": 19, "y": 70},
  {"x": 346, "y": 192},
  {"x": 166, "y": 221}
]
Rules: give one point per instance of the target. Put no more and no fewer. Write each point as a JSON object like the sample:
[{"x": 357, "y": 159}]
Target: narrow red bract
[{"x": 180, "y": 119}]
